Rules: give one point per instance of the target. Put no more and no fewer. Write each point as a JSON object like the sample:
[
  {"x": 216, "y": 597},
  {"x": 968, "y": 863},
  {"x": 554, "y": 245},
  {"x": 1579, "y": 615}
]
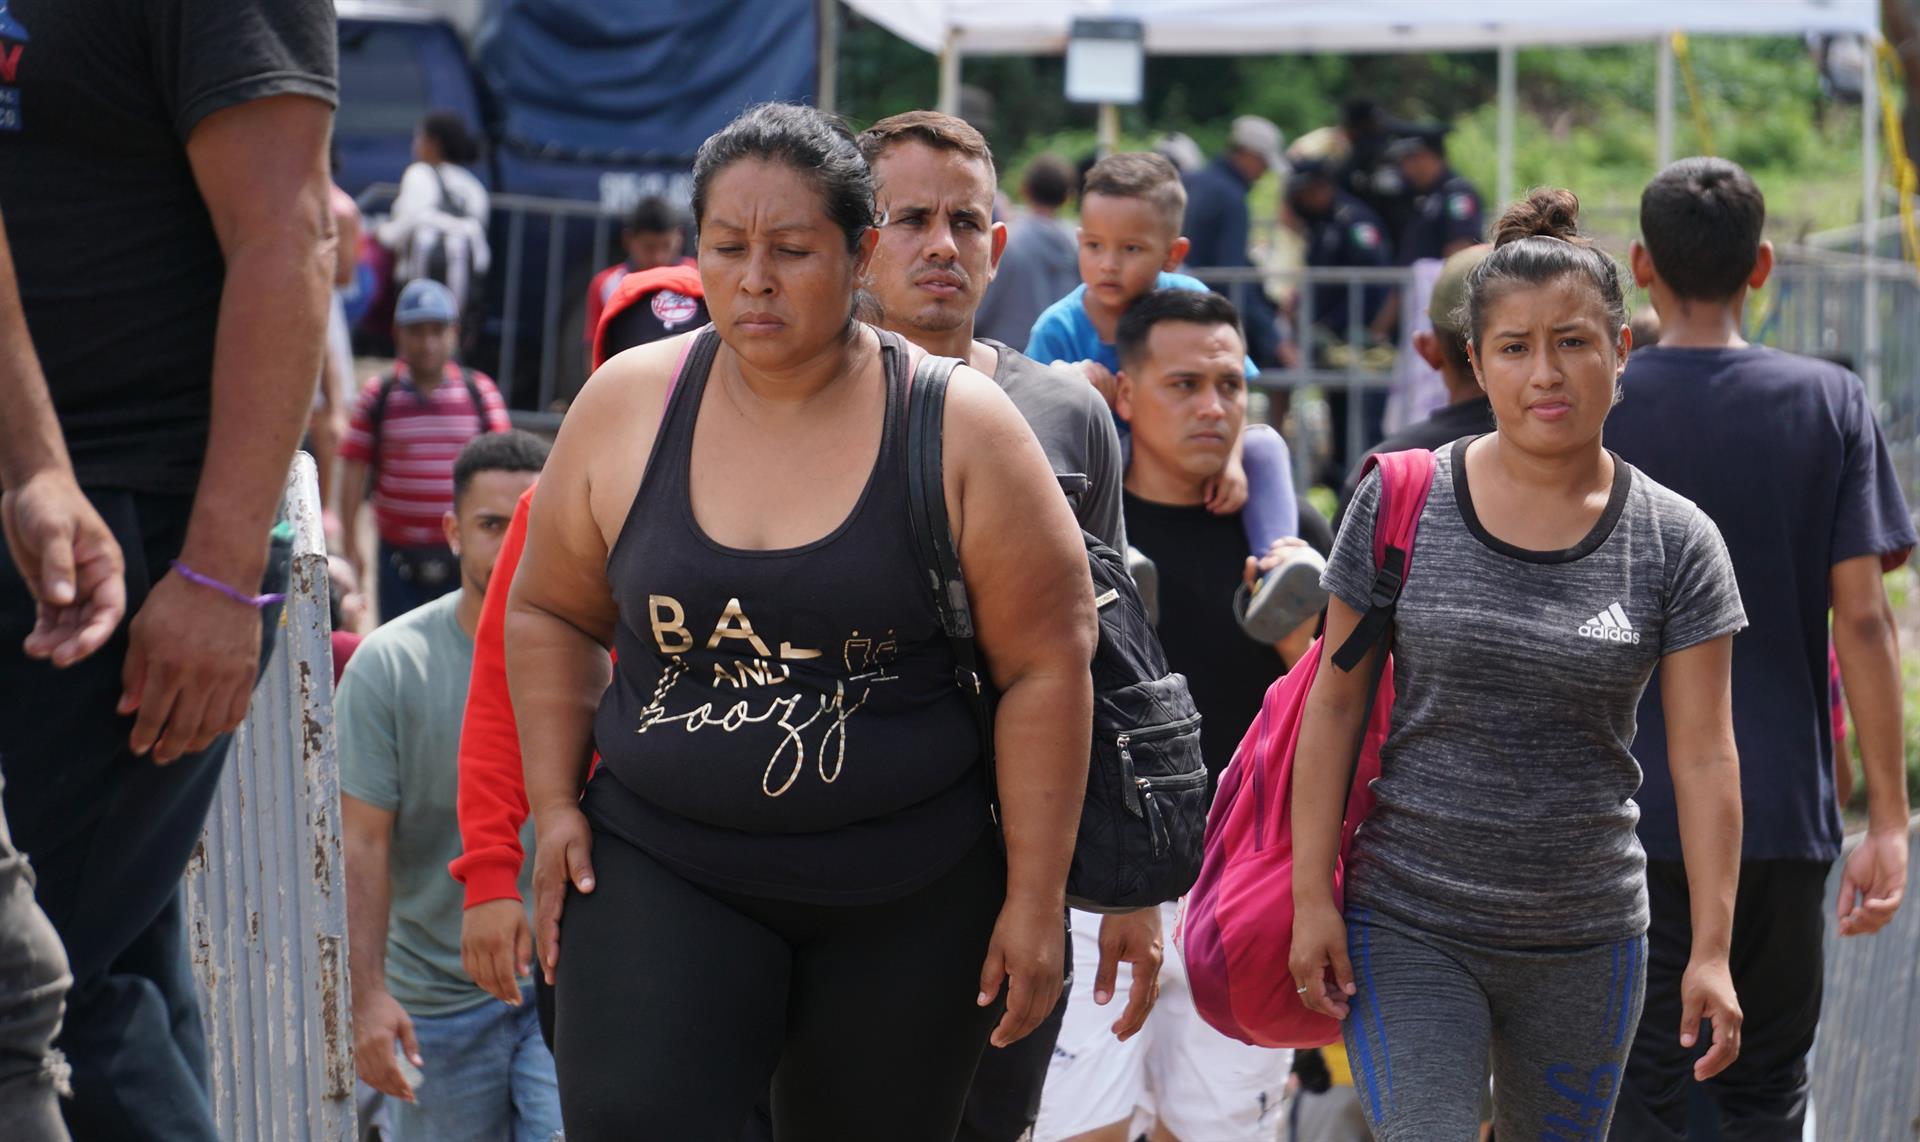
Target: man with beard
[{"x": 939, "y": 247}]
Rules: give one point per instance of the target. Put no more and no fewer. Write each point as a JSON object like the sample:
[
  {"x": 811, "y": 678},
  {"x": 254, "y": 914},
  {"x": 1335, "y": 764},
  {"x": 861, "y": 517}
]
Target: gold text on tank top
[{"x": 865, "y": 658}]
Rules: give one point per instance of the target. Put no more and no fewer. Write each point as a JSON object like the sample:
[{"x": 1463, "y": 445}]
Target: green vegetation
[{"x": 1586, "y": 118}]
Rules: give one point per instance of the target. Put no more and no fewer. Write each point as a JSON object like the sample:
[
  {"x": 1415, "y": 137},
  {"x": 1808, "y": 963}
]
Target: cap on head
[
  {"x": 1181, "y": 150},
  {"x": 1260, "y": 136},
  {"x": 1429, "y": 139},
  {"x": 1447, "y": 306},
  {"x": 424, "y": 300},
  {"x": 1307, "y": 172}
]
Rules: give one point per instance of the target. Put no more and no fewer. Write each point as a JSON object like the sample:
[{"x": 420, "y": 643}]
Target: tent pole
[
  {"x": 1509, "y": 96},
  {"x": 1869, "y": 222},
  {"x": 829, "y": 62},
  {"x": 1663, "y": 101},
  {"x": 950, "y": 74}
]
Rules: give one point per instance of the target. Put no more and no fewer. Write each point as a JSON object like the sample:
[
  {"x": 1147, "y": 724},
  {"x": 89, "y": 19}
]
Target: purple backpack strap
[{"x": 1405, "y": 479}]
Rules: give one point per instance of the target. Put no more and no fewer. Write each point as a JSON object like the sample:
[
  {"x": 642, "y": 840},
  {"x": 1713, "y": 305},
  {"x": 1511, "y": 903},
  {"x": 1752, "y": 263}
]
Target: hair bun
[{"x": 1546, "y": 212}]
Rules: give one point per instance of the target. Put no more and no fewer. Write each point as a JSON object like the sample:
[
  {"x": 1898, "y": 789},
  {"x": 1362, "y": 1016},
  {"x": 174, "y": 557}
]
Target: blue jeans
[{"x": 488, "y": 1078}]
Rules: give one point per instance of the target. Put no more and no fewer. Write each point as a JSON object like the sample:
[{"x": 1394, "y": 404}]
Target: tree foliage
[{"x": 1586, "y": 116}]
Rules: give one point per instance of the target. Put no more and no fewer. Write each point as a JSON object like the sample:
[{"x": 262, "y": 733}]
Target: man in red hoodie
[{"x": 496, "y": 946}]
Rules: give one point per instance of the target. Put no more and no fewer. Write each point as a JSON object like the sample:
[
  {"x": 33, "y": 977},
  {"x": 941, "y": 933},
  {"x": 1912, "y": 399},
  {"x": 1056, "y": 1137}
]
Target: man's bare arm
[
  {"x": 1867, "y": 643},
  {"x": 68, "y": 558},
  {"x": 378, "y": 1019},
  {"x": 192, "y": 653},
  {"x": 262, "y": 169}
]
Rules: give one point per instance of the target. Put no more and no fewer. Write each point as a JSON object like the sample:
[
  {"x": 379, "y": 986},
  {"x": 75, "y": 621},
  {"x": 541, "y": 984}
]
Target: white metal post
[
  {"x": 1663, "y": 102},
  {"x": 1509, "y": 98},
  {"x": 266, "y": 888},
  {"x": 1109, "y": 129},
  {"x": 1869, "y": 221},
  {"x": 950, "y": 74}
]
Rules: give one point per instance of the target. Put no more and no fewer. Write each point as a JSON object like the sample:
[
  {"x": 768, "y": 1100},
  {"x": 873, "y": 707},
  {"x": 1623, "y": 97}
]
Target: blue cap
[{"x": 425, "y": 300}]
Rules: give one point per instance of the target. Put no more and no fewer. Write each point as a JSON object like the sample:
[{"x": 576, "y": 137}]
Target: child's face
[{"x": 1124, "y": 245}]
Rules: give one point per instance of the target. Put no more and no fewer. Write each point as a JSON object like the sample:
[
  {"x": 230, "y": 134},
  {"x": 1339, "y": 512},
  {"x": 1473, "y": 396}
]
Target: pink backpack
[{"x": 1238, "y": 925}]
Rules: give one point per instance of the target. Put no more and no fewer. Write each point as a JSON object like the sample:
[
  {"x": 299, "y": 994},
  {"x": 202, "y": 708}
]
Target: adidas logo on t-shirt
[{"x": 1610, "y": 625}]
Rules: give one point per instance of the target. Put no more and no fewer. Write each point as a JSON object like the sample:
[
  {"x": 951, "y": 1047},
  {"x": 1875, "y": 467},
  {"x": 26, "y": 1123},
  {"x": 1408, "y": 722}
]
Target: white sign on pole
[{"x": 1106, "y": 61}]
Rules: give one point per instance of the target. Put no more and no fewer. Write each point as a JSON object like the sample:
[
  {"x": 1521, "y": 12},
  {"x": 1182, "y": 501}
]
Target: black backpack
[
  {"x": 377, "y": 415},
  {"x": 1145, "y": 812}
]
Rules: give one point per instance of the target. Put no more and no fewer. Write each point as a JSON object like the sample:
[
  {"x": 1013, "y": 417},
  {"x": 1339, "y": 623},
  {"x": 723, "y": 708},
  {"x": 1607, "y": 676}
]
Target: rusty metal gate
[{"x": 267, "y": 890}]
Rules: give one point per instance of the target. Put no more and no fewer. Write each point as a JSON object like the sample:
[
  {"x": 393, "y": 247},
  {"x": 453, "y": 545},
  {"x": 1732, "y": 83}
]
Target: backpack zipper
[
  {"x": 1133, "y": 786},
  {"x": 1157, "y": 824}
]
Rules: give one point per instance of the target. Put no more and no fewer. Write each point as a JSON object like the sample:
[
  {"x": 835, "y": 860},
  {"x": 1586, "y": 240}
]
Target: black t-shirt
[
  {"x": 1469, "y": 417},
  {"x": 1781, "y": 452},
  {"x": 1199, "y": 556},
  {"x": 119, "y": 268}
]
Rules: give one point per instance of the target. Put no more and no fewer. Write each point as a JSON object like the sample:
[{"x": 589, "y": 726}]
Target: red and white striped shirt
[{"x": 420, "y": 438}]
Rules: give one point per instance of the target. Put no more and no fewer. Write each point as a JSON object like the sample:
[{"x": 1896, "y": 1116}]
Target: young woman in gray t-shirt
[{"x": 1496, "y": 897}]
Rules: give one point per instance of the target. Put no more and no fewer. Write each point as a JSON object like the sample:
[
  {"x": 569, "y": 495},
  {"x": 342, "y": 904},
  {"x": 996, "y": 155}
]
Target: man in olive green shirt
[{"x": 478, "y": 1067}]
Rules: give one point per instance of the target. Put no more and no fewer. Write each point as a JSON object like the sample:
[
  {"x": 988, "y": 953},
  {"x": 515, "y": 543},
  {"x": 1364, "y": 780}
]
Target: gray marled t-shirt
[
  {"x": 1076, "y": 432},
  {"x": 1505, "y": 811}
]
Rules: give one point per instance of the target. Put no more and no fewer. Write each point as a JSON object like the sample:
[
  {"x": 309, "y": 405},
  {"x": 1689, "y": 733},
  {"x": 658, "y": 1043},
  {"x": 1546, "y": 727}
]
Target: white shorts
[{"x": 1201, "y": 1085}]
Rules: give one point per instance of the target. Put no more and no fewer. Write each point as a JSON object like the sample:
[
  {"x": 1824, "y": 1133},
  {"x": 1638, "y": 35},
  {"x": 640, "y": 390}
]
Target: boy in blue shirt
[{"x": 1131, "y": 208}]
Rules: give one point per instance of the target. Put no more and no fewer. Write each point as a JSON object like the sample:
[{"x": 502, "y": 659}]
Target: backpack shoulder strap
[
  {"x": 377, "y": 415},
  {"x": 1405, "y": 479},
  {"x": 448, "y": 204},
  {"x": 933, "y": 539},
  {"x": 479, "y": 403}
]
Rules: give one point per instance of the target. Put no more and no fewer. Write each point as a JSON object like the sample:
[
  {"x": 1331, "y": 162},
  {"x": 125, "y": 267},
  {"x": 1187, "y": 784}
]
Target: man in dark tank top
[{"x": 938, "y": 250}]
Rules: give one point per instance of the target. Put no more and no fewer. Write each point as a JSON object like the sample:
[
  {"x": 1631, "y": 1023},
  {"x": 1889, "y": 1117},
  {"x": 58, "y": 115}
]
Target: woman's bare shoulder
[
  {"x": 979, "y": 411},
  {"x": 630, "y": 382}
]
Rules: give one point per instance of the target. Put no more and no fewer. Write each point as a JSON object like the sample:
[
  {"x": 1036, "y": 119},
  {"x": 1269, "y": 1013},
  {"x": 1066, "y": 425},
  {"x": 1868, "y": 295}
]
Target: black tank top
[{"x": 784, "y": 723}]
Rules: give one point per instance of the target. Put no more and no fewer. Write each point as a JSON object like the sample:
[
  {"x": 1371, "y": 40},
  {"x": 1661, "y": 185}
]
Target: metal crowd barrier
[
  {"x": 266, "y": 890},
  {"x": 1822, "y": 304},
  {"x": 1866, "y": 1065}
]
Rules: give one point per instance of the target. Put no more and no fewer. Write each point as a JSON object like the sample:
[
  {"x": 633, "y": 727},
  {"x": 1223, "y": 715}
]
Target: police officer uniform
[
  {"x": 1350, "y": 234},
  {"x": 1447, "y": 213}
]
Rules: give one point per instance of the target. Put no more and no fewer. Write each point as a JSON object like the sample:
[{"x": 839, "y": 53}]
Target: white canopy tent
[
  {"x": 954, "y": 28},
  {"x": 1263, "y": 27}
]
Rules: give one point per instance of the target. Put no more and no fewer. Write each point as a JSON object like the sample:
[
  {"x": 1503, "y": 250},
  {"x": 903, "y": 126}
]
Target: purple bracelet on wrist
[{"x": 238, "y": 596}]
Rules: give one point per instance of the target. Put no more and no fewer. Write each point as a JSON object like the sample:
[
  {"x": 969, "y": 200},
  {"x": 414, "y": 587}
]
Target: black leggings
[{"x": 675, "y": 1004}]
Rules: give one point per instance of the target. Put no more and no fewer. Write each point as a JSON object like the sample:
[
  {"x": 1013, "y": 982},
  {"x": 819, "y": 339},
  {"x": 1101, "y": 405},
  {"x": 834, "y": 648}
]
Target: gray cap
[
  {"x": 425, "y": 300},
  {"x": 1252, "y": 133}
]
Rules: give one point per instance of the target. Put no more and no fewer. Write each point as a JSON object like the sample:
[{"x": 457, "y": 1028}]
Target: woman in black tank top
[{"x": 784, "y": 867}]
